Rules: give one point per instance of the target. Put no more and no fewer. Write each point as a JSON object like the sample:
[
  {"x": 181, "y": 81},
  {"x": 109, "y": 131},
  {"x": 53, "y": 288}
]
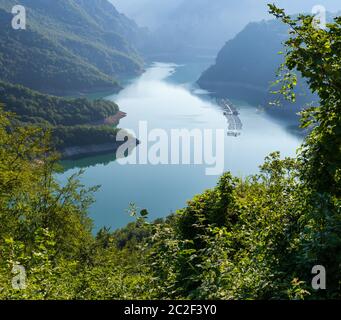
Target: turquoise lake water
[{"x": 166, "y": 98}]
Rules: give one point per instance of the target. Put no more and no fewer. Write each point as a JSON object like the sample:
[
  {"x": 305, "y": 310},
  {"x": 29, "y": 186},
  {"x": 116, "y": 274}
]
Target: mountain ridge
[
  {"x": 64, "y": 38},
  {"x": 246, "y": 68}
]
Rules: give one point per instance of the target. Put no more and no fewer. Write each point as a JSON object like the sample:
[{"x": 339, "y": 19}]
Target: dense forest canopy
[
  {"x": 70, "y": 49},
  {"x": 72, "y": 121},
  {"x": 34, "y": 107},
  {"x": 253, "y": 238}
]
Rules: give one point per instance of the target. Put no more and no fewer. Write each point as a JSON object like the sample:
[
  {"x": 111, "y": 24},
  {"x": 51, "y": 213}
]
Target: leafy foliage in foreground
[
  {"x": 252, "y": 239},
  {"x": 45, "y": 228},
  {"x": 256, "y": 238},
  {"x": 260, "y": 238}
]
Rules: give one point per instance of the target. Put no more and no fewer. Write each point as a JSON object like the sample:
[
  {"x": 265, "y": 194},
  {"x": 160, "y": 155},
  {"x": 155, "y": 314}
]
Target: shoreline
[
  {"x": 93, "y": 149},
  {"x": 83, "y": 93},
  {"x": 79, "y": 152},
  {"x": 111, "y": 120}
]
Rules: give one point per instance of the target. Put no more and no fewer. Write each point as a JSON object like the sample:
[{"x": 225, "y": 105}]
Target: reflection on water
[
  {"x": 86, "y": 162},
  {"x": 165, "y": 98}
]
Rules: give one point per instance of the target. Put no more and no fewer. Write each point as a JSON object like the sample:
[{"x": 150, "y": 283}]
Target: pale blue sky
[
  {"x": 154, "y": 12},
  {"x": 208, "y": 22}
]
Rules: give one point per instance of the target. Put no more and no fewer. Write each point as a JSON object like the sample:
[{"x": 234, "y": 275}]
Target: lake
[{"x": 166, "y": 97}]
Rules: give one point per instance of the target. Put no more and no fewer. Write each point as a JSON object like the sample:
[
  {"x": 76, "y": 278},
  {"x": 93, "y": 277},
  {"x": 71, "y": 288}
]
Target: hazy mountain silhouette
[{"x": 188, "y": 28}]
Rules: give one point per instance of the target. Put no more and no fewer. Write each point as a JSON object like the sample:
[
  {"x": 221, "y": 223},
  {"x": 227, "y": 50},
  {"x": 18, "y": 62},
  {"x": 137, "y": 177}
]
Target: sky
[
  {"x": 153, "y": 13},
  {"x": 206, "y": 24}
]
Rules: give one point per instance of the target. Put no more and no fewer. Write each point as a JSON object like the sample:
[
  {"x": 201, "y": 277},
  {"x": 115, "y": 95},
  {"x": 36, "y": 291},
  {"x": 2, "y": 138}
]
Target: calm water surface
[{"x": 165, "y": 97}]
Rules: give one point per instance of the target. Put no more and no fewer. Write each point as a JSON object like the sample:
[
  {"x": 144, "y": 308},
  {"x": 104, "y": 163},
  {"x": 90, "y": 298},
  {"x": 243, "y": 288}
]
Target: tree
[
  {"x": 46, "y": 233},
  {"x": 315, "y": 53},
  {"x": 259, "y": 238}
]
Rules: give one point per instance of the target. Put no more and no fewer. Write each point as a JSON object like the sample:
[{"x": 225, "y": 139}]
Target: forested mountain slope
[
  {"x": 246, "y": 67},
  {"x": 250, "y": 60},
  {"x": 69, "y": 46},
  {"x": 33, "y": 107},
  {"x": 73, "y": 122}
]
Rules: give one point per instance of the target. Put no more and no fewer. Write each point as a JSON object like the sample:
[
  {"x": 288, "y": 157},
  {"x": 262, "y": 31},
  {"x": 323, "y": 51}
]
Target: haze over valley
[{"x": 182, "y": 28}]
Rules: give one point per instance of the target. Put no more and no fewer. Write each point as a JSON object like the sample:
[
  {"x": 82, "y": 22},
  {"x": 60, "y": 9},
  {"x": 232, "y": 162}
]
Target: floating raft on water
[
  {"x": 232, "y": 115},
  {"x": 228, "y": 107}
]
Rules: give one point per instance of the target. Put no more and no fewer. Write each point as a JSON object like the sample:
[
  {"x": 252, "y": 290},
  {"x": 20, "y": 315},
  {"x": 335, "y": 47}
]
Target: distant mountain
[
  {"x": 246, "y": 67},
  {"x": 190, "y": 28},
  {"x": 249, "y": 61},
  {"x": 69, "y": 46}
]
